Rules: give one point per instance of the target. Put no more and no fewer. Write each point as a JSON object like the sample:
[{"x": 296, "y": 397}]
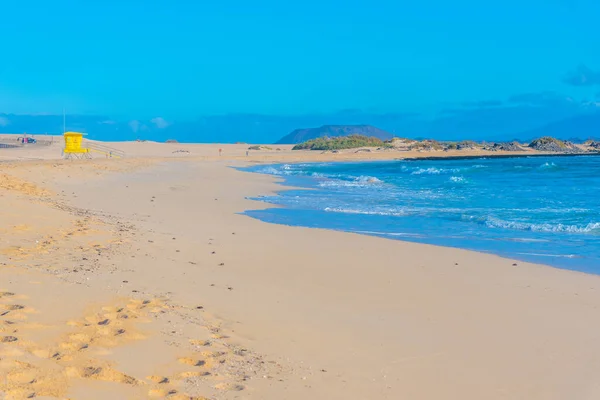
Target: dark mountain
[
  {"x": 581, "y": 126},
  {"x": 302, "y": 135}
]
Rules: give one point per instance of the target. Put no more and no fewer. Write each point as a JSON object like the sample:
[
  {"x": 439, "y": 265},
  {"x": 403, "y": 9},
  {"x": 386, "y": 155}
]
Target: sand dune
[{"x": 137, "y": 278}]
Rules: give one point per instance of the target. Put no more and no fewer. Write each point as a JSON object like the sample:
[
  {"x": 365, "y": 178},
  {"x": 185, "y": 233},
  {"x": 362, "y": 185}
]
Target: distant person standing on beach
[
  {"x": 247, "y": 153},
  {"x": 220, "y": 150}
]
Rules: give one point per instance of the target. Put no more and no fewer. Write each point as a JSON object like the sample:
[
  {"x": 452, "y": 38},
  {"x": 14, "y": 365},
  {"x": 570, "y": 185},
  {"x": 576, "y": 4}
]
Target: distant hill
[
  {"x": 302, "y": 135},
  {"x": 580, "y": 127}
]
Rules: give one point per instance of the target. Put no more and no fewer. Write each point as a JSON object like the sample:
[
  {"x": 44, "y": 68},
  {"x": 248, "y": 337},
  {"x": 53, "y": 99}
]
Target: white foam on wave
[
  {"x": 364, "y": 212},
  {"x": 544, "y": 227},
  {"x": 527, "y": 240},
  {"x": 368, "y": 179},
  {"x": 427, "y": 171},
  {"x": 458, "y": 179},
  {"x": 548, "y": 165},
  {"x": 550, "y": 255},
  {"x": 406, "y": 234},
  {"x": 435, "y": 171},
  {"x": 285, "y": 170},
  {"x": 270, "y": 171},
  {"x": 360, "y": 181}
]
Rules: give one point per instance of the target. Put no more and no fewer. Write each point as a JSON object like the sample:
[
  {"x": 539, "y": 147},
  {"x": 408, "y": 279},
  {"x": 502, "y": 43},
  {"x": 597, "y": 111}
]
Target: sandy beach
[{"x": 139, "y": 278}]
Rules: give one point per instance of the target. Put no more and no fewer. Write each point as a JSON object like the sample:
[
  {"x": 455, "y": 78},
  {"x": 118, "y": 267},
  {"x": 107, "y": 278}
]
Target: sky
[{"x": 182, "y": 59}]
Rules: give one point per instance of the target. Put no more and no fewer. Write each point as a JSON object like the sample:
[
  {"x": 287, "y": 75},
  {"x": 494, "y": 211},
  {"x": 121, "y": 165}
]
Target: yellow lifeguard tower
[{"x": 73, "y": 149}]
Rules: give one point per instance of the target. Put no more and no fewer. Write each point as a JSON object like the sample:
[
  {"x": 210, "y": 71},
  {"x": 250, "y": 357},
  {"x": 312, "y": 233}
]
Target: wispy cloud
[
  {"x": 160, "y": 122},
  {"x": 542, "y": 99},
  {"x": 582, "y": 76},
  {"x": 483, "y": 103}
]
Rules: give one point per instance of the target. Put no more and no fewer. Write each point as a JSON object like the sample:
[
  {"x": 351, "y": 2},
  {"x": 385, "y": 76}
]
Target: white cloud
[
  {"x": 4, "y": 121},
  {"x": 160, "y": 122}
]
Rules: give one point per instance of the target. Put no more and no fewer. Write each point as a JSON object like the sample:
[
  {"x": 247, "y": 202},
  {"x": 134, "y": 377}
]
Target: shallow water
[{"x": 539, "y": 209}]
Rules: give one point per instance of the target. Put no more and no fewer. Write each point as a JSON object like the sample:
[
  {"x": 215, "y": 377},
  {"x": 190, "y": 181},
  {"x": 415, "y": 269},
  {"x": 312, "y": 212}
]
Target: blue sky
[{"x": 183, "y": 59}]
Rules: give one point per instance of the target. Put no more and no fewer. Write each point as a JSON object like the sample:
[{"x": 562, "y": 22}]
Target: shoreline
[{"x": 286, "y": 184}]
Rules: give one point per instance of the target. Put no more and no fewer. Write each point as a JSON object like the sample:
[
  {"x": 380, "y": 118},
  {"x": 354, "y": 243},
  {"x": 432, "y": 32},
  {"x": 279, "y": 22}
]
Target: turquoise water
[{"x": 539, "y": 209}]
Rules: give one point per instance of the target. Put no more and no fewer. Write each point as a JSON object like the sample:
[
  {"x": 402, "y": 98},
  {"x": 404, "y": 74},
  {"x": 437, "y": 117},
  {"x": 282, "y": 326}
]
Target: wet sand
[{"x": 138, "y": 278}]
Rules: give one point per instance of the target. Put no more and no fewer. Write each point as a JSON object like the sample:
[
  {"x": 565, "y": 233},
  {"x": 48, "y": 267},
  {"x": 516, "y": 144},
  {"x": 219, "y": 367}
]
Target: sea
[{"x": 538, "y": 209}]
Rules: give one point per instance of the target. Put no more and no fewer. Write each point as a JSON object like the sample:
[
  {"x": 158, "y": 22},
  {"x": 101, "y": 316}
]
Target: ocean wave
[
  {"x": 359, "y": 181},
  {"x": 527, "y": 240},
  {"x": 427, "y": 171},
  {"x": 458, "y": 179},
  {"x": 542, "y": 227},
  {"x": 285, "y": 169},
  {"x": 405, "y": 234},
  {"x": 395, "y": 213},
  {"x": 550, "y": 255},
  {"x": 548, "y": 166},
  {"x": 271, "y": 171}
]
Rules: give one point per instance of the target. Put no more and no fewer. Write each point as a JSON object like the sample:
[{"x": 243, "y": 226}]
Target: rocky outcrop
[
  {"x": 333, "y": 131},
  {"x": 509, "y": 146},
  {"x": 593, "y": 144},
  {"x": 466, "y": 145},
  {"x": 550, "y": 144}
]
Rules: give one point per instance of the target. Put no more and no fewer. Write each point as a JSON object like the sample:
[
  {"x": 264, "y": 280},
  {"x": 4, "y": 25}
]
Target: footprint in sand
[
  {"x": 213, "y": 354},
  {"x": 8, "y": 339},
  {"x": 190, "y": 374},
  {"x": 7, "y": 327},
  {"x": 102, "y": 374},
  {"x": 162, "y": 393},
  {"x": 158, "y": 379},
  {"x": 20, "y": 393},
  {"x": 230, "y": 386},
  {"x": 192, "y": 361},
  {"x": 11, "y": 307},
  {"x": 205, "y": 343},
  {"x": 112, "y": 326},
  {"x": 92, "y": 330},
  {"x": 16, "y": 311}
]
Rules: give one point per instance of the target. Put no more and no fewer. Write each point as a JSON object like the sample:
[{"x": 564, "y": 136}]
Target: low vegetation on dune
[
  {"x": 257, "y": 147},
  {"x": 593, "y": 144},
  {"x": 544, "y": 144},
  {"x": 340, "y": 143},
  {"x": 468, "y": 144},
  {"x": 548, "y": 143},
  {"x": 401, "y": 141},
  {"x": 426, "y": 145}
]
